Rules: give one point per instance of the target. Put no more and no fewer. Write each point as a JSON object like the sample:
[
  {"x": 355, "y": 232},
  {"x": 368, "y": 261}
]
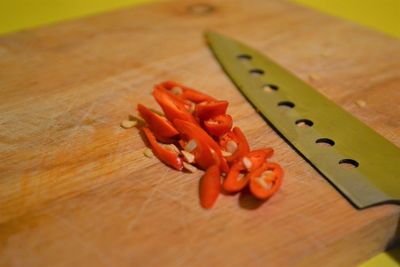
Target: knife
[{"x": 360, "y": 163}]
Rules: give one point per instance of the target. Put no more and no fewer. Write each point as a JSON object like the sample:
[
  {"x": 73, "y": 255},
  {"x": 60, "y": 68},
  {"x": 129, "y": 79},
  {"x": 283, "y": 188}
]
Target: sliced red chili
[
  {"x": 210, "y": 109},
  {"x": 199, "y": 148},
  {"x": 172, "y": 109},
  {"x": 159, "y": 125},
  {"x": 210, "y": 186},
  {"x": 257, "y": 158},
  {"x": 238, "y": 175},
  {"x": 179, "y": 101},
  {"x": 193, "y": 131},
  {"x": 218, "y": 125},
  {"x": 187, "y": 92},
  {"x": 235, "y": 180},
  {"x": 164, "y": 155},
  {"x": 238, "y": 141},
  {"x": 266, "y": 180}
]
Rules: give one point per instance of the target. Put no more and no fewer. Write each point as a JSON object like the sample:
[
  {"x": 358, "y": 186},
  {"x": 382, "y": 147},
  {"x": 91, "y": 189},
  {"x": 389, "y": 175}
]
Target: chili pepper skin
[
  {"x": 172, "y": 109},
  {"x": 239, "y": 138},
  {"x": 238, "y": 175},
  {"x": 258, "y": 157},
  {"x": 218, "y": 125},
  {"x": 188, "y": 93},
  {"x": 236, "y": 179},
  {"x": 159, "y": 125},
  {"x": 164, "y": 155},
  {"x": 193, "y": 131},
  {"x": 210, "y": 109},
  {"x": 257, "y": 189},
  {"x": 210, "y": 187}
]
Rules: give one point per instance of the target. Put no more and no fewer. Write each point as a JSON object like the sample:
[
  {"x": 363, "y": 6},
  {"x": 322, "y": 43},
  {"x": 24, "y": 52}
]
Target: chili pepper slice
[
  {"x": 218, "y": 125},
  {"x": 257, "y": 157},
  {"x": 210, "y": 186},
  {"x": 240, "y": 141},
  {"x": 178, "y": 100},
  {"x": 187, "y": 92},
  {"x": 208, "y": 109},
  {"x": 169, "y": 157},
  {"x": 193, "y": 131},
  {"x": 172, "y": 109},
  {"x": 158, "y": 124},
  {"x": 238, "y": 176},
  {"x": 235, "y": 180},
  {"x": 266, "y": 180}
]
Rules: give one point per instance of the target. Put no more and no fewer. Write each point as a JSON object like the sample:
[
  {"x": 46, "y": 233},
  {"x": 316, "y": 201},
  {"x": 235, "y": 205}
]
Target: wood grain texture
[{"x": 76, "y": 190}]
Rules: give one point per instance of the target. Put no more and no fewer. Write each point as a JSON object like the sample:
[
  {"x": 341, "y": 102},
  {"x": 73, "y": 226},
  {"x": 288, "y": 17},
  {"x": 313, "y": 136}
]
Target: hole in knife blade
[
  {"x": 286, "y": 104},
  {"x": 325, "y": 142},
  {"x": 268, "y": 88},
  {"x": 244, "y": 57},
  {"x": 304, "y": 123},
  {"x": 348, "y": 163},
  {"x": 256, "y": 72}
]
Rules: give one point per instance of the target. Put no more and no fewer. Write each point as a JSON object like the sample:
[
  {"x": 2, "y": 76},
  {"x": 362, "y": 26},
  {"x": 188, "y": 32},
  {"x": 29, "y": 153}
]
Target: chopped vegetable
[
  {"x": 186, "y": 92},
  {"x": 265, "y": 180},
  {"x": 159, "y": 125},
  {"x": 165, "y": 155},
  {"x": 236, "y": 143},
  {"x": 218, "y": 125},
  {"x": 238, "y": 176},
  {"x": 210, "y": 186},
  {"x": 209, "y": 109},
  {"x": 172, "y": 109},
  {"x": 197, "y": 132}
]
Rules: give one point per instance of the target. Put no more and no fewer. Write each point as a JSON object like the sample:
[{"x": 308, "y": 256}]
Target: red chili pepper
[
  {"x": 240, "y": 141},
  {"x": 159, "y": 125},
  {"x": 257, "y": 157},
  {"x": 210, "y": 186},
  {"x": 172, "y": 109},
  {"x": 218, "y": 125},
  {"x": 187, "y": 92},
  {"x": 210, "y": 109},
  {"x": 238, "y": 176},
  {"x": 193, "y": 131},
  {"x": 168, "y": 157},
  {"x": 266, "y": 180},
  {"x": 235, "y": 180},
  {"x": 178, "y": 100}
]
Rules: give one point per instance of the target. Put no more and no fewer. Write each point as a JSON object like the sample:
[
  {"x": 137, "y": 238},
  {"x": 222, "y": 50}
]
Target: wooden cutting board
[{"x": 76, "y": 190}]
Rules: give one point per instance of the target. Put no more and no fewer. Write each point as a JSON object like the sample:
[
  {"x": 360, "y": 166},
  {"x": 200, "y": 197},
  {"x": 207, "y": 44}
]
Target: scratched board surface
[{"x": 75, "y": 188}]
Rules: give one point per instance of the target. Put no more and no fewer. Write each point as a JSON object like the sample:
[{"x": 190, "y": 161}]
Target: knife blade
[{"x": 359, "y": 162}]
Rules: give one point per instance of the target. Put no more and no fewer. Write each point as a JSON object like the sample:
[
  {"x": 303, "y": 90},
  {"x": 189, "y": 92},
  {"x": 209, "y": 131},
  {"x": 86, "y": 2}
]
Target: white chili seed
[
  {"x": 176, "y": 90},
  {"x": 148, "y": 153},
  {"x": 231, "y": 146},
  {"x": 189, "y": 167},
  {"x": 226, "y": 153},
  {"x": 189, "y": 157},
  {"x": 247, "y": 163},
  {"x": 191, "y": 145},
  {"x": 172, "y": 147},
  {"x": 126, "y": 124},
  {"x": 263, "y": 183},
  {"x": 361, "y": 103}
]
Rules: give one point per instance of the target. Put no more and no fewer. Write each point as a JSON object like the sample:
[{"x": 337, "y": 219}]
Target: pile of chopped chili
[{"x": 197, "y": 130}]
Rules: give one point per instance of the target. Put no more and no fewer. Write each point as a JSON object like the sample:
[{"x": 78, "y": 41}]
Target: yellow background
[{"x": 382, "y": 15}]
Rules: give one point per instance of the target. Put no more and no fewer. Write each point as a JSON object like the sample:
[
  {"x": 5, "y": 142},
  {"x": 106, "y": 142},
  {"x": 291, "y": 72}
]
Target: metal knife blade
[{"x": 327, "y": 136}]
